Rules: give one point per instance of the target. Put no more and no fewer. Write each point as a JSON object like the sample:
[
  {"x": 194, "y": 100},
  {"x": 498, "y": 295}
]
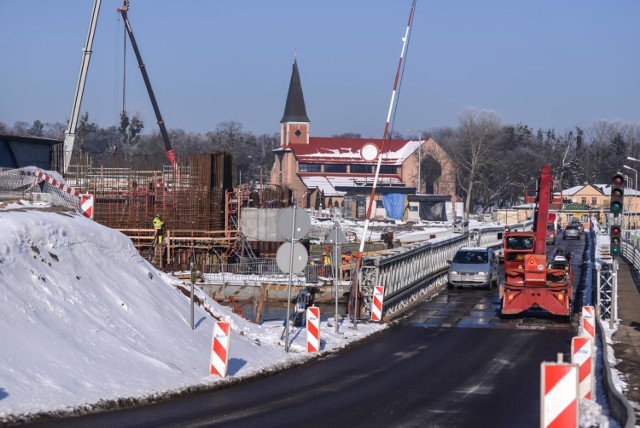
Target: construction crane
[
  {"x": 70, "y": 133},
  {"x": 145, "y": 76},
  {"x": 531, "y": 281}
]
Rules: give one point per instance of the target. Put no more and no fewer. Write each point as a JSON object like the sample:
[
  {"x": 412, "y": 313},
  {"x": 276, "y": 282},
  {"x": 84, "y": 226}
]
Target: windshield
[
  {"x": 519, "y": 243},
  {"x": 470, "y": 257}
]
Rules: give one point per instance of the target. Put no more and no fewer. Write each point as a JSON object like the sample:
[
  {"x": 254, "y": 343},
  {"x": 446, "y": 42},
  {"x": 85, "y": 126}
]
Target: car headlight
[
  {"x": 483, "y": 273},
  {"x": 454, "y": 272}
]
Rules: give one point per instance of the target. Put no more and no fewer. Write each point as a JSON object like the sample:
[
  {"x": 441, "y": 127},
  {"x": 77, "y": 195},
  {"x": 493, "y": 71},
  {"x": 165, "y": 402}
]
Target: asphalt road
[{"x": 463, "y": 367}]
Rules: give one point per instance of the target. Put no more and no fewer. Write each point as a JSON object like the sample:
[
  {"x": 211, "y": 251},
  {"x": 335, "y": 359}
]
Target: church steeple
[{"x": 294, "y": 109}]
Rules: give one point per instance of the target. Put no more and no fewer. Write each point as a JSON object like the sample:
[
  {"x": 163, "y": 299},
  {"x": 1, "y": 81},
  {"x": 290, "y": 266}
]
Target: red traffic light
[
  {"x": 617, "y": 180},
  {"x": 616, "y": 230}
]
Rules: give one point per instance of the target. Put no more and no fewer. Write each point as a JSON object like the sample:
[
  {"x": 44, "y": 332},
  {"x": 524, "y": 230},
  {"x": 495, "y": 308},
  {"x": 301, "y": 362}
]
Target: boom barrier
[{"x": 408, "y": 274}]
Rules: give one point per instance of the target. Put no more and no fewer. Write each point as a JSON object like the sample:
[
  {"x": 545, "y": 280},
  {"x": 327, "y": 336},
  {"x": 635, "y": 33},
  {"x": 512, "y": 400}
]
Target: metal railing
[{"x": 408, "y": 274}]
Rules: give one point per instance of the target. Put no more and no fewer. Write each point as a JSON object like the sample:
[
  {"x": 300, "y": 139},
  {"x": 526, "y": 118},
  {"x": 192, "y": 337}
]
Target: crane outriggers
[{"x": 531, "y": 281}]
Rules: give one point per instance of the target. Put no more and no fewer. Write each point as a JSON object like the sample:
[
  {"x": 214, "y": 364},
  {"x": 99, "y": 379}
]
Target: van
[{"x": 473, "y": 266}]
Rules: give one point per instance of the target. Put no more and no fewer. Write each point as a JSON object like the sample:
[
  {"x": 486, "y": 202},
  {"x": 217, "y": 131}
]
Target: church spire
[{"x": 294, "y": 109}]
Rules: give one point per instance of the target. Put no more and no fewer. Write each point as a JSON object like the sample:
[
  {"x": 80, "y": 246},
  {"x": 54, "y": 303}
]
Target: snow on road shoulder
[{"x": 85, "y": 320}]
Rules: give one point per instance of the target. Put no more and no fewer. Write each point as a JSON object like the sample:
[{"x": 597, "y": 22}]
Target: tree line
[{"x": 495, "y": 162}]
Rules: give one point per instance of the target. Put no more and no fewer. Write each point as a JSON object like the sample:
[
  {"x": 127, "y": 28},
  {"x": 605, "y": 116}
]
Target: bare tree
[{"x": 478, "y": 136}]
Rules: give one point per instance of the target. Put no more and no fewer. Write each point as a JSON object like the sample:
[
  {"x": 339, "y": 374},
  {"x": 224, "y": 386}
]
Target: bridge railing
[{"x": 410, "y": 273}]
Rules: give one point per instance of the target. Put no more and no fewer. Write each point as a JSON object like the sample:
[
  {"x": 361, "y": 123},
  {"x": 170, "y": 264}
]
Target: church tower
[{"x": 294, "y": 126}]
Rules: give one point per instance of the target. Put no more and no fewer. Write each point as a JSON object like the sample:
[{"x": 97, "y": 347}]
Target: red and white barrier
[
  {"x": 559, "y": 395},
  {"x": 582, "y": 355},
  {"x": 588, "y": 322},
  {"x": 86, "y": 200},
  {"x": 313, "y": 329},
  {"x": 220, "y": 349},
  {"x": 86, "y": 205},
  {"x": 376, "y": 305},
  {"x": 55, "y": 183}
]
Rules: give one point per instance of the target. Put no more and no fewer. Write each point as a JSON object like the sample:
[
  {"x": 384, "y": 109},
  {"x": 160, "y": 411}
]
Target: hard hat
[{"x": 157, "y": 215}]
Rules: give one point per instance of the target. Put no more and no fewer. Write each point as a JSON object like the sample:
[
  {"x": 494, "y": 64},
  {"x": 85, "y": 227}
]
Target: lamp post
[
  {"x": 627, "y": 181},
  {"x": 635, "y": 196},
  {"x": 635, "y": 191},
  {"x": 419, "y": 187}
]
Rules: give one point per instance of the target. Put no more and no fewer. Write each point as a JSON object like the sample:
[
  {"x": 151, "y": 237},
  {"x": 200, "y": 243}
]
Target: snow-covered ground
[{"x": 86, "y": 321}]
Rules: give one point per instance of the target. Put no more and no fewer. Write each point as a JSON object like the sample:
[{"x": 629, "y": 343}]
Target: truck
[{"x": 530, "y": 280}]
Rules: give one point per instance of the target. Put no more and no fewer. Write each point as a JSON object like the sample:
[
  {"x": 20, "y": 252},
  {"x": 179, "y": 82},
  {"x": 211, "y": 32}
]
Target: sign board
[
  {"x": 294, "y": 220},
  {"x": 336, "y": 235},
  {"x": 300, "y": 257}
]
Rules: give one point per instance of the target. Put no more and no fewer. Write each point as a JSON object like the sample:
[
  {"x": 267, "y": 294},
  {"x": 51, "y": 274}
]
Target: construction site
[{"x": 195, "y": 198}]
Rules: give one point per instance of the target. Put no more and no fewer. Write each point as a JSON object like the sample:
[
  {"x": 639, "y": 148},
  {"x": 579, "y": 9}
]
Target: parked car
[
  {"x": 572, "y": 231},
  {"x": 473, "y": 266},
  {"x": 551, "y": 234}
]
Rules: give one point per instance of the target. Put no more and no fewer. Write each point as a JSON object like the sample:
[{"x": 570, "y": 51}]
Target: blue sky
[{"x": 545, "y": 63}]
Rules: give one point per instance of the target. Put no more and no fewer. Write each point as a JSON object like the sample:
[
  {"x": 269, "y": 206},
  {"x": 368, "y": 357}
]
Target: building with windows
[{"x": 340, "y": 172}]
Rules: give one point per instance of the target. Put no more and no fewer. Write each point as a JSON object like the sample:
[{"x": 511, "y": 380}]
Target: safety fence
[
  {"x": 36, "y": 185},
  {"x": 605, "y": 283}
]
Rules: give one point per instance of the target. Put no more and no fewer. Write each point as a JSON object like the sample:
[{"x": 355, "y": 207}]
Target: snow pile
[{"x": 87, "y": 322}]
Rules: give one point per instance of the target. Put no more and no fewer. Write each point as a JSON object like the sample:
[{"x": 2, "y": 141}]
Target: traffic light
[
  {"x": 615, "y": 233},
  {"x": 617, "y": 194}
]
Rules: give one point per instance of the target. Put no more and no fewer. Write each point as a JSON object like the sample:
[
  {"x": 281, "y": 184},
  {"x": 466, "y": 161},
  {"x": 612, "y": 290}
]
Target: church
[{"x": 340, "y": 172}]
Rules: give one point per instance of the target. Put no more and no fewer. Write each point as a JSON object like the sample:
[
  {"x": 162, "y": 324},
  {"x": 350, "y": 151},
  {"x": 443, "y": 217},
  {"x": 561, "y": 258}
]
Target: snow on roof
[
  {"x": 328, "y": 183},
  {"x": 347, "y": 150}
]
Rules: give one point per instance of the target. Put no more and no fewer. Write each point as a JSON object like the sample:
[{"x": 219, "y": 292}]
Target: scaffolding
[{"x": 195, "y": 199}]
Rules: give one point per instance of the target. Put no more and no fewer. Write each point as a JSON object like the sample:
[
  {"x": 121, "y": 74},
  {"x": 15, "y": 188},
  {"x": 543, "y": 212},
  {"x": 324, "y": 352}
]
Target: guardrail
[{"x": 411, "y": 273}]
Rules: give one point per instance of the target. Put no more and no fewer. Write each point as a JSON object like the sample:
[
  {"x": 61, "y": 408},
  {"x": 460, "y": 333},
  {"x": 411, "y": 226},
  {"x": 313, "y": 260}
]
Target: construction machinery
[
  {"x": 145, "y": 76},
  {"x": 532, "y": 281}
]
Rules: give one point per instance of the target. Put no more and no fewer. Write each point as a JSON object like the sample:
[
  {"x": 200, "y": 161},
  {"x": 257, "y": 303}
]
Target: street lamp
[
  {"x": 627, "y": 184},
  {"x": 635, "y": 208},
  {"x": 419, "y": 187}
]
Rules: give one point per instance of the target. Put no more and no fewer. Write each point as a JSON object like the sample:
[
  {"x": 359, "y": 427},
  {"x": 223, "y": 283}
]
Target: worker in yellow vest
[{"x": 158, "y": 226}]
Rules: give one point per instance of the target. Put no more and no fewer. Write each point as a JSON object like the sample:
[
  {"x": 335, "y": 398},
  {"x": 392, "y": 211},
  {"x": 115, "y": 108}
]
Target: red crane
[{"x": 530, "y": 281}]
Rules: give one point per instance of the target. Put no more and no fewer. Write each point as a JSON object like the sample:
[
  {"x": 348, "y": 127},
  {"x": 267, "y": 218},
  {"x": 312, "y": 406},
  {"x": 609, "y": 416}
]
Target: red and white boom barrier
[
  {"x": 220, "y": 349},
  {"x": 559, "y": 390},
  {"x": 582, "y": 353},
  {"x": 376, "y": 305},
  {"x": 313, "y": 329}
]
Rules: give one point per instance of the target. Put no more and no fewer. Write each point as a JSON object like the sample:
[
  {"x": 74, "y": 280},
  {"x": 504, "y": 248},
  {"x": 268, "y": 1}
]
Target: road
[{"x": 451, "y": 362}]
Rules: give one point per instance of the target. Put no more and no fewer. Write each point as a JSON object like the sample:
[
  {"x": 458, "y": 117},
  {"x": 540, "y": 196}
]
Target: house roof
[
  {"x": 605, "y": 189},
  {"x": 294, "y": 109},
  {"x": 347, "y": 150},
  {"x": 329, "y": 184}
]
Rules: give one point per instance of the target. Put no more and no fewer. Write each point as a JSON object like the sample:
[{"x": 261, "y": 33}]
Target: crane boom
[
  {"x": 70, "y": 133},
  {"x": 145, "y": 76}
]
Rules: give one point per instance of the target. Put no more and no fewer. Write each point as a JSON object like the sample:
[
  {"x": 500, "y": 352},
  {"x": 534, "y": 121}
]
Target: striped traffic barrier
[
  {"x": 559, "y": 390},
  {"x": 588, "y": 322},
  {"x": 376, "y": 305},
  {"x": 86, "y": 205},
  {"x": 220, "y": 349},
  {"x": 313, "y": 329},
  {"x": 582, "y": 355}
]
